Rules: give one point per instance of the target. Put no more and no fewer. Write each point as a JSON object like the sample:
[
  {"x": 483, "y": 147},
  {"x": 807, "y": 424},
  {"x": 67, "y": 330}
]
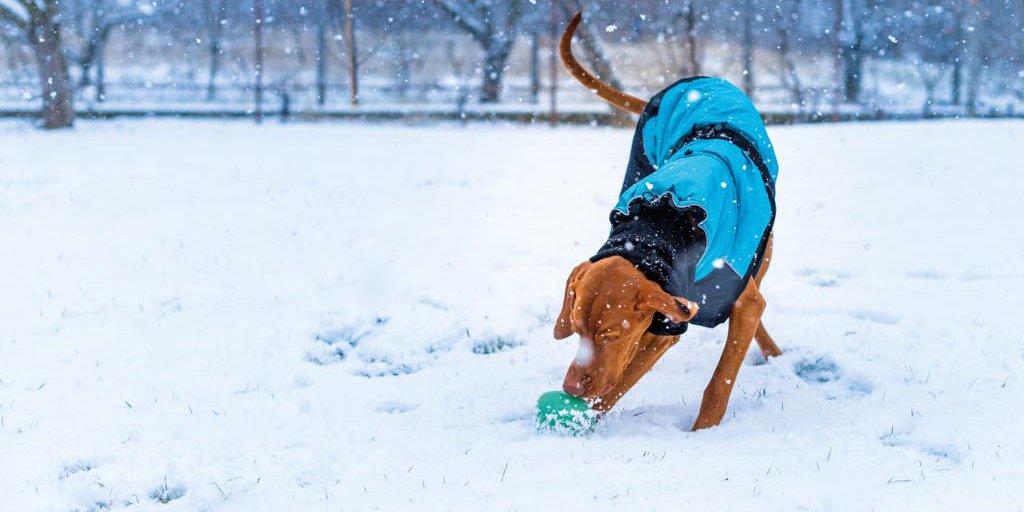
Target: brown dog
[{"x": 611, "y": 304}]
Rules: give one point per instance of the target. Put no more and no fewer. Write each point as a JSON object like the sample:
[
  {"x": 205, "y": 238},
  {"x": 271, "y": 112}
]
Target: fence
[{"x": 415, "y": 102}]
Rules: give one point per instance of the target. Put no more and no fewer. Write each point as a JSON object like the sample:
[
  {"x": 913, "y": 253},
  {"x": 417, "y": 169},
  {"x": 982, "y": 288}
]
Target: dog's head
[{"x": 610, "y": 304}]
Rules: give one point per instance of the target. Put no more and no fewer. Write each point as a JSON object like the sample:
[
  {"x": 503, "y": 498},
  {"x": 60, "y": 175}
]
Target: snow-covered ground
[{"x": 340, "y": 317}]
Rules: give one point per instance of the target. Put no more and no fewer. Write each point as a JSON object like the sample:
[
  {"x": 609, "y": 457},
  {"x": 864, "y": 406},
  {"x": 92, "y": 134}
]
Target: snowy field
[{"x": 217, "y": 316}]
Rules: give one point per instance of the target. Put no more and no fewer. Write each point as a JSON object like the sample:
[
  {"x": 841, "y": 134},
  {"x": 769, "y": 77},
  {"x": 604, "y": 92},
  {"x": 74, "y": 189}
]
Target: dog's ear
[
  {"x": 563, "y": 325},
  {"x": 676, "y": 309}
]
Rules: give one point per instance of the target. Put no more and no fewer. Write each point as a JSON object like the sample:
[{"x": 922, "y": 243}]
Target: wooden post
[
  {"x": 353, "y": 62},
  {"x": 257, "y": 7}
]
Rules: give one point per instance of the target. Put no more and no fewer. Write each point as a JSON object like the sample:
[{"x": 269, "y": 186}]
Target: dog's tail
[{"x": 616, "y": 97}]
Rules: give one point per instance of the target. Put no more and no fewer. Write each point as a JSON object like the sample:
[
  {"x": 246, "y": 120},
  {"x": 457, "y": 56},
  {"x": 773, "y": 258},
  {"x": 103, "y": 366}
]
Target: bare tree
[
  {"x": 344, "y": 13},
  {"x": 589, "y": 42},
  {"x": 676, "y": 28},
  {"x": 38, "y": 21},
  {"x": 534, "y": 66},
  {"x": 257, "y": 32},
  {"x": 215, "y": 18},
  {"x": 94, "y": 21},
  {"x": 688, "y": 15},
  {"x": 492, "y": 24},
  {"x": 748, "y": 47},
  {"x": 930, "y": 73},
  {"x": 353, "y": 59},
  {"x": 17, "y": 58},
  {"x": 956, "y": 84},
  {"x": 785, "y": 23},
  {"x": 977, "y": 24},
  {"x": 553, "y": 16},
  {"x": 321, "y": 52},
  {"x": 405, "y": 56},
  {"x": 837, "y": 55},
  {"x": 852, "y": 51}
]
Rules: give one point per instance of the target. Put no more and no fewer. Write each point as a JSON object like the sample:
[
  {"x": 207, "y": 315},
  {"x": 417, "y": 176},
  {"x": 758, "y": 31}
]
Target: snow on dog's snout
[{"x": 585, "y": 352}]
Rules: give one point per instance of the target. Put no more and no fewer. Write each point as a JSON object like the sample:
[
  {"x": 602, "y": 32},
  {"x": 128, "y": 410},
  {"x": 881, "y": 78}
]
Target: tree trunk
[
  {"x": 353, "y": 56},
  {"x": 495, "y": 56},
  {"x": 748, "y": 48},
  {"x": 853, "y": 55},
  {"x": 691, "y": 38},
  {"x": 958, "y": 57},
  {"x": 85, "y": 80},
  {"x": 853, "y": 64},
  {"x": 589, "y": 42},
  {"x": 403, "y": 63},
  {"x": 553, "y": 26},
  {"x": 101, "y": 73},
  {"x": 534, "y": 67},
  {"x": 957, "y": 84},
  {"x": 321, "y": 55},
  {"x": 975, "y": 56},
  {"x": 99, "y": 52},
  {"x": 58, "y": 107},
  {"x": 216, "y": 35},
  {"x": 788, "y": 71},
  {"x": 211, "y": 77},
  {"x": 258, "y": 42},
  {"x": 837, "y": 56}
]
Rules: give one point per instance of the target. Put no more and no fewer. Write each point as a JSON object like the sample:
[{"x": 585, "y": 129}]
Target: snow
[{"x": 221, "y": 316}]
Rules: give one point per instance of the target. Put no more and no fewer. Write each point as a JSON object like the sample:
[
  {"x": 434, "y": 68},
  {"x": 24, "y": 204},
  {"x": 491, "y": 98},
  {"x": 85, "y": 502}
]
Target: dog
[{"x": 691, "y": 240}]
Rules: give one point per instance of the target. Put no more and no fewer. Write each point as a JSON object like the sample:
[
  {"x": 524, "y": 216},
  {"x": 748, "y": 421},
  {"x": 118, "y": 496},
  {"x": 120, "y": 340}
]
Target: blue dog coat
[{"x": 698, "y": 201}]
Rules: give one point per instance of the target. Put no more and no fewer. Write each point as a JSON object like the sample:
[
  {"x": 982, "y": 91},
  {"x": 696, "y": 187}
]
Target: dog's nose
[
  {"x": 573, "y": 387},
  {"x": 575, "y": 384}
]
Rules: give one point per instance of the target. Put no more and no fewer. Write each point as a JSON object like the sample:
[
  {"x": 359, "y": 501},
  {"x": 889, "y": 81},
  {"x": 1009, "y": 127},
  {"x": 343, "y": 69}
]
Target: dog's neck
[{"x": 665, "y": 242}]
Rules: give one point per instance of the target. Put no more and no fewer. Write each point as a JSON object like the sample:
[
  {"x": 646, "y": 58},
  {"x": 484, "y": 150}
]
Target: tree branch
[
  {"x": 476, "y": 28},
  {"x": 8, "y": 15},
  {"x": 35, "y": 11}
]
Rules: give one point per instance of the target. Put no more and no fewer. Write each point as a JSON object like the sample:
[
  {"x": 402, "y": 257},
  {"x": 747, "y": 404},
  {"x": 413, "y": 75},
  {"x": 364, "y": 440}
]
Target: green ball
[{"x": 565, "y": 414}]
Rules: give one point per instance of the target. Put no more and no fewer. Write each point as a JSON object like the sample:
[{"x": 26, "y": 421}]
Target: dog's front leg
[{"x": 743, "y": 323}]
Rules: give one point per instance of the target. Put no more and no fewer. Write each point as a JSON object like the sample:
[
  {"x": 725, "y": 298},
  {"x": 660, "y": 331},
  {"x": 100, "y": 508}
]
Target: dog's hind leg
[{"x": 764, "y": 340}]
